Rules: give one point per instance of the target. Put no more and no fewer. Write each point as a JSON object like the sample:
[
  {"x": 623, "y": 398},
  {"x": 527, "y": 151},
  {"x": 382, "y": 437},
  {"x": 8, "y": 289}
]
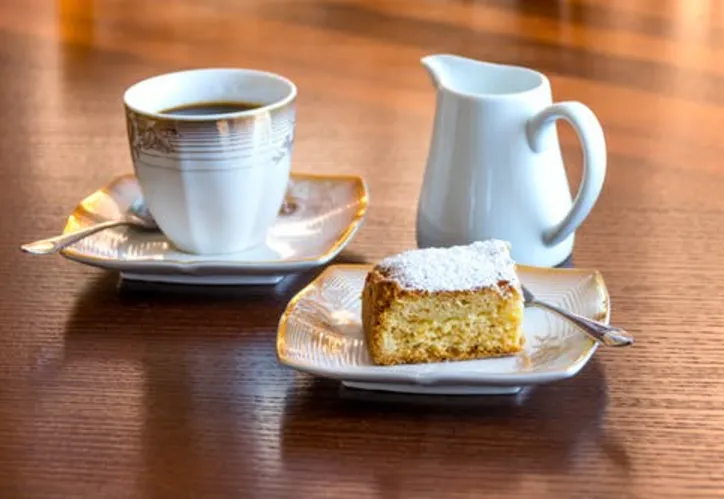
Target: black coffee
[{"x": 203, "y": 108}]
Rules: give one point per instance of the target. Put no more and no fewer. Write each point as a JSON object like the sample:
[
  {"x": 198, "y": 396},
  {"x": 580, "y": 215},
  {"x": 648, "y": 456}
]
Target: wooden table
[{"x": 108, "y": 393}]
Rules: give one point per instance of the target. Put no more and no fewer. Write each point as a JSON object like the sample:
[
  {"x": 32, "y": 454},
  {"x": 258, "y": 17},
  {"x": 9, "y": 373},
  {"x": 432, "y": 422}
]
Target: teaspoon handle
[
  {"x": 603, "y": 333},
  {"x": 57, "y": 243}
]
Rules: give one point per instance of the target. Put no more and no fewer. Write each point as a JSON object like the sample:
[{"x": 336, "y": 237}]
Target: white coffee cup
[{"x": 214, "y": 182}]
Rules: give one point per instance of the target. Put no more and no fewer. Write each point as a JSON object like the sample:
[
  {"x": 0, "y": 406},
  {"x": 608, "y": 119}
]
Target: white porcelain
[
  {"x": 320, "y": 215},
  {"x": 214, "y": 183},
  {"x": 494, "y": 168},
  {"x": 320, "y": 333}
]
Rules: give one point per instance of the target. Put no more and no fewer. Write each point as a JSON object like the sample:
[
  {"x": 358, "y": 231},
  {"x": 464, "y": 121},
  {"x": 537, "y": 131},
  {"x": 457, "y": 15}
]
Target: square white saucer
[
  {"x": 321, "y": 333},
  {"x": 320, "y": 216}
]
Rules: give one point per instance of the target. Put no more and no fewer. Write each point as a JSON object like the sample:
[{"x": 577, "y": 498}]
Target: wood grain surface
[{"x": 155, "y": 392}]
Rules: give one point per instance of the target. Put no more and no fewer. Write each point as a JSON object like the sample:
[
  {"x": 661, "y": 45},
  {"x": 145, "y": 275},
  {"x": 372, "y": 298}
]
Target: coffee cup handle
[{"x": 590, "y": 133}]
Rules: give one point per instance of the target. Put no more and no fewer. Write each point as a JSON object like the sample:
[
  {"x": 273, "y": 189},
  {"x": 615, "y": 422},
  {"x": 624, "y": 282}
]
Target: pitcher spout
[
  {"x": 465, "y": 76},
  {"x": 442, "y": 69}
]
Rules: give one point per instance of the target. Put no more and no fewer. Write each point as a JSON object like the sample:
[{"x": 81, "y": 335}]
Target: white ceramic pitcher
[{"x": 495, "y": 169}]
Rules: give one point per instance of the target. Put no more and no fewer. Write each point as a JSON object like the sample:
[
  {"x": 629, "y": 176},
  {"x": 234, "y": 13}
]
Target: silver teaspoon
[
  {"x": 607, "y": 335},
  {"x": 136, "y": 216}
]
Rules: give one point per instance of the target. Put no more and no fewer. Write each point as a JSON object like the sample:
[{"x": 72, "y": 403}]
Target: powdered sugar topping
[{"x": 478, "y": 265}]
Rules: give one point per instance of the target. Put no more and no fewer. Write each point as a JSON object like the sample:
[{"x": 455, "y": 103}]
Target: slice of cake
[{"x": 440, "y": 304}]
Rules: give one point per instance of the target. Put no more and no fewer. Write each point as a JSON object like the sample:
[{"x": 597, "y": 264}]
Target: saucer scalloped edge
[
  {"x": 320, "y": 216},
  {"x": 320, "y": 333}
]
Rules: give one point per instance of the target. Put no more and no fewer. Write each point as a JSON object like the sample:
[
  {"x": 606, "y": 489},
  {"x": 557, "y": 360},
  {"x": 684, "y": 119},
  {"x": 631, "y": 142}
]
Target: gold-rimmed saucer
[
  {"x": 321, "y": 215},
  {"x": 321, "y": 333}
]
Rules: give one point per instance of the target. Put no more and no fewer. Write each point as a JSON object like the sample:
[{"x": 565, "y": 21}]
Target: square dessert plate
[
  {"x": 320, "y": 216},
  {"x": 321, "y": 333}
]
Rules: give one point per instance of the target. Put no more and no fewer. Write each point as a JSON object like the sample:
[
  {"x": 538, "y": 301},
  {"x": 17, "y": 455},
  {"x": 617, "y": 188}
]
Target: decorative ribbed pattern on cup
[
  {"x": 236, "y": 142},
  {"x": 321, "y": 332}
]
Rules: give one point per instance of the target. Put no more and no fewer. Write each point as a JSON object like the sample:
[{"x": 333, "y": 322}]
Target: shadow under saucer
[
  {"x": 284, "y": 290},
  {"x": 177, "y": 374},
  {"x": 368, "y": 438}
]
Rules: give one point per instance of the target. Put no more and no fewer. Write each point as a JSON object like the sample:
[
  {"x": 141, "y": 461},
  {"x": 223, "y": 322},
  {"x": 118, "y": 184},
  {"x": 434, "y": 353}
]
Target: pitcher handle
[{"x": 590, "y": 133}]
